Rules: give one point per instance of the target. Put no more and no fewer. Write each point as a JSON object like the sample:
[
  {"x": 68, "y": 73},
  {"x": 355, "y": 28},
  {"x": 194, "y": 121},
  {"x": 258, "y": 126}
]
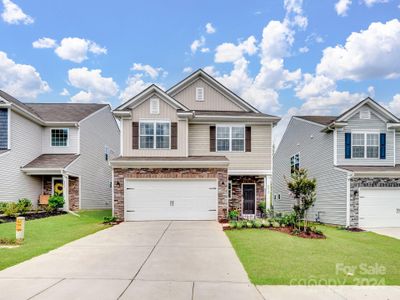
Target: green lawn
[
  {"x": 276, "y": 258},
  {"x": 43, "y": 235}
]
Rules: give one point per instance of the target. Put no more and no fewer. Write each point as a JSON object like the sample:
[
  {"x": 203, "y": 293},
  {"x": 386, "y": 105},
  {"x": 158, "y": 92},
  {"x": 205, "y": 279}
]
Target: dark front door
[{"x": 249, "y": 199}]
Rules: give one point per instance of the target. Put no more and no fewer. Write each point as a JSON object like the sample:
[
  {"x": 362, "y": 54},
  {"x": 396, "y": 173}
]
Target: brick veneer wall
[
  {"x": 47, "y": 185},
  {"x": 237, "y": 196},
  {"x": 357, "y": 183},
  {"x": 73, "y": 193},
  {"x": 158, "y": 173}
]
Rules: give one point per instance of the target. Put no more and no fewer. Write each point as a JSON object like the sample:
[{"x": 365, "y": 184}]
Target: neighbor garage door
[
  {"x": 379, "y": 208},
  {"x": 171, "y": 200}
]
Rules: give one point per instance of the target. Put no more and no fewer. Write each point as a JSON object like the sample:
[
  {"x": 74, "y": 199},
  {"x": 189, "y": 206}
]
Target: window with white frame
[
  {"x": 155, "y": 135},
  {"x": 199, "y": 94},
  {"x": 295, "y": 163},
  {"x": 230, "y": 138},
  {"x": 59, "y": 137},
  {"x": 230, "y": 189},
  {"x": 365, "y": 145}
]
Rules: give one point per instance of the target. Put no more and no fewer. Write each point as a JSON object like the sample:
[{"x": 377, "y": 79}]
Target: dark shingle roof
[
  {"x": 232, "y": 113},
  {"x": 324, "y": 120},
  {"x": 53, "y": 161},
  {"x": 64, "y": 112},
  {"x": 11, "y": 99}
]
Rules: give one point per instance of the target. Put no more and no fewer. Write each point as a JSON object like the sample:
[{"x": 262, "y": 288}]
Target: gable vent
[
  {"x": 365, "y": 114},
  {"x": 154, "y": 106},
  {"x": 199, "y": 94}
]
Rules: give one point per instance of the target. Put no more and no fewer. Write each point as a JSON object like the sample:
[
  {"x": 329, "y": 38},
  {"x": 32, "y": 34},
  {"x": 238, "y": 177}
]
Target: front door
[{"x": 249, "y": 199}]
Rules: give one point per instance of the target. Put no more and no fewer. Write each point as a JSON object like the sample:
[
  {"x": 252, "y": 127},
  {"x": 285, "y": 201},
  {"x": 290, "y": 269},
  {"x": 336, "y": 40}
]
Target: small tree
[{"x": 302, "y": 189}]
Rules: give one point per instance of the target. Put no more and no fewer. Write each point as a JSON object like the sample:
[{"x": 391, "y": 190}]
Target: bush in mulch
[
  {"x": 32, "y": 215},
  {"x": 351, "y": 229}
]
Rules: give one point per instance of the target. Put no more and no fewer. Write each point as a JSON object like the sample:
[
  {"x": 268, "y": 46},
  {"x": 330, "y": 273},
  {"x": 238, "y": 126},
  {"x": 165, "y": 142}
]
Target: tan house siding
[
  {"x": 258, "y": 159},
  {"x": 213, "y": 100},
  {"x": 142, "y": 112}
]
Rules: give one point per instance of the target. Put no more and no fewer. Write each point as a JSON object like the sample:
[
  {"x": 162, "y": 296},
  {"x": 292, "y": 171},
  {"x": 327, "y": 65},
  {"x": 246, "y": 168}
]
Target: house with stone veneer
[
  {"x": 355, "y": 158},
  {"x": 57, "y": 147},
  {"x": 193, "y": 152}
]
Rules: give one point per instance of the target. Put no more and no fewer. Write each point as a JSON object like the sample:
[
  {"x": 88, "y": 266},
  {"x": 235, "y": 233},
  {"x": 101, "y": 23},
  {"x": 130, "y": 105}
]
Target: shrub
[
  {"x": 56, "y": 202},
  {"x": 239, "y": 225},
  {"x": 316, "y": 230},
  {"x": 249, "y": 224},
  {"x": 11, "y": 209},
  {"x": 24, "y": 205},
  {"x": 2, "y": 207},
  {"x": 265, "y": 223},
  {"x": 232, "y": 224},
  {"x": 275, "y": 224},
  {"x": 110, "y": 219},
  {"x": 262, "y": 207},
  {"x": 288, "y": 219},
  {"x": 233, "y": 214},
  {"x": 257, "y": 224}
]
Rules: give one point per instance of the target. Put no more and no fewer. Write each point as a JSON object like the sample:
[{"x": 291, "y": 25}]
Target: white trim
[
  {"x": 200, "y": 92},
  {"x": 9, "y": 128},
  {"x": 66, "y": 191},
  {"x": 42, "y": 171},
  {"x": 268, "y": 200},
  {"x": 79, "y": 140},
  {"x": 348, "y": 198},
  {"x": 230, "y": 126},
  {"x": 335, "y": 145},
  {"x": 255, "y": 199},
  {"x": 187, "y": 137},
  {"x": 51, "y": 137},
  {"x": 155, "y": 134},
  {"x": 264, "y": 118},
  {"x": 154, "y": 106},
  {"x": 249, "y": 172},
  {"x": 394, "y": 148},
  {"x": 112, "y": 193},
  {"x": 166, "y": 163},
  {"x": 365, "y": 133}
]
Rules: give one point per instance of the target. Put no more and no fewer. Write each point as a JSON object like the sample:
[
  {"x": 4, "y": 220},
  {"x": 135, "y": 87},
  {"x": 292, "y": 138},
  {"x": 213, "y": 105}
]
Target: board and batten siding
[
  {"x": 73, "y": 141},
  {"x": 258, "y": 159},
  {"x": 142, "y": 112},
  {"x": 316, "y": 155},
  {"x": 26, "y": 145},
  {"x": 213, "y": 99},
  {"x": 355, "y": 124},
  {"x": 96, "y": 132}
]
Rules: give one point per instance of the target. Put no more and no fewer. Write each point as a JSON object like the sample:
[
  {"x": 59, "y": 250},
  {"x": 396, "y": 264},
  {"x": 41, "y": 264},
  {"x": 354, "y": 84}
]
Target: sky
[{"x": 288, "y": 57}]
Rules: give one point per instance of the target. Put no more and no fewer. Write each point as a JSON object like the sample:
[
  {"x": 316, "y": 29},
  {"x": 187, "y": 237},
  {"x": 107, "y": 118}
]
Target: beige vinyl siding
[
  {"x": 355, "y": 124},
  {"x": 142, "y": 112},
  {"x": 73, "y": 141},
  {"x": 96, "y": 132},
  {"x": 213, "y": 99},
  {"x": 258, "y": 159},
  {"x": 26, "y": 145},
  {"x": 316, "y": 155}
]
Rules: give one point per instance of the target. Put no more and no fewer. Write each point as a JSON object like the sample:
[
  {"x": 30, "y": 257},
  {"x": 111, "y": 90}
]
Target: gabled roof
[
  {"x": 323, "y": 120},
  {"x": 143, "y": 95},
  {"x": 214, "y": 83}
]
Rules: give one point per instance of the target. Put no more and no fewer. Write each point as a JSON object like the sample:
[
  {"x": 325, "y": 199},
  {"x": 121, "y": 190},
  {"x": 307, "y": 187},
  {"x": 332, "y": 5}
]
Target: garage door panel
[{"x": 171, "y": 200}]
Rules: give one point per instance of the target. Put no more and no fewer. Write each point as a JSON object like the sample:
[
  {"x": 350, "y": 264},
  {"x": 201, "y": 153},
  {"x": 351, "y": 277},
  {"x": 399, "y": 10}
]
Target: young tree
[{"x": 302, "y": 189}]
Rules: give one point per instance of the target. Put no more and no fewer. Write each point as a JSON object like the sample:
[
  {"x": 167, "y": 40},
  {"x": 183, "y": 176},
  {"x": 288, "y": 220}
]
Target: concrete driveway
[
  {"x": 140, "y": 260},
  {"x": 393, "y": 232}
]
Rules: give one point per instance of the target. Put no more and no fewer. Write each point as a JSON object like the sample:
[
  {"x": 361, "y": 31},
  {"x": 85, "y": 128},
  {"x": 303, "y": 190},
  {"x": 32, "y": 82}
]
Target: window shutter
[
  {"x": 347, "y": 138},
  {"x": 174, "y": 135},
  {"x": 383, "y": 146},
  {"x": 135, "y": 135},
  {"x": 248, "y": 139},
  {"x": 212, "y": 138}
]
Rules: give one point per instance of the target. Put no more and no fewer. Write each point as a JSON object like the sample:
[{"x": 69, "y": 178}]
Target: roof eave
[{"x": 167, "y": 164}]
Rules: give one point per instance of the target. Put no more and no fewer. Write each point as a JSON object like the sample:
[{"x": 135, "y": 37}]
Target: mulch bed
[
  {"x": 354, "y": 229},
  {"x": 32, "y": 216}
]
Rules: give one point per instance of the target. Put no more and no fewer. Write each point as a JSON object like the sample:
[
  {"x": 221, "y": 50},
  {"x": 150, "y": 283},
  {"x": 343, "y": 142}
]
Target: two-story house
[
  {"x": 193, "y": 152},
  {"x": 57, "y": 147},
  {"x": 355, "y": 158}
]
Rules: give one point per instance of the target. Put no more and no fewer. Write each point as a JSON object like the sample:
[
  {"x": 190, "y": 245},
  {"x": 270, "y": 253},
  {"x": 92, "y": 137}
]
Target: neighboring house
[
  {"x": 355, "y": 158},
  {"x": 193, "y": 152},
  {"x": 57, "y": 146}
]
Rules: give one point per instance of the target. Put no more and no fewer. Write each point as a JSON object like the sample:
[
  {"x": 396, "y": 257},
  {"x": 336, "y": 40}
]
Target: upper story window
[
  {"x": 365, "y": 145},
  {"x": 230, "y": 138},
  {"x": 199, "y": 94},
  {"x": 3, "y": 128},
  {"x": 155, "y": 135},
  {"x": 154, "y": 106},
  {"x": 295, "y": 163},
  {"x": 59, "y": 137}
]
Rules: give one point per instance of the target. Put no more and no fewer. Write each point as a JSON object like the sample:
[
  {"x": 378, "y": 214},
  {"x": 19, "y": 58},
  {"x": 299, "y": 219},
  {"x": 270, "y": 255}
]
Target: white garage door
[
  {"x": 171, "y": 200},
  {"x": 379, "y": 208}
]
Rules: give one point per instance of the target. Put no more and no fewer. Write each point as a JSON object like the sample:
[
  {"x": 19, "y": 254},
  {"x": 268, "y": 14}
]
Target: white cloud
[
  {"x": 205, "y": 50},
  {"x": 21, "y": 81},
  {"x": 77, "y": 49},
  {"x": 210, "y": 29},
  {"x": 196, "y": 44},
  {"x": 228, "y": 52},
  {"x": 342, "y": 6},
  {"x": 304, "y": 49},
  {"x": 95, "y": 87},
  {"x": 371, "y": 91},
  {"x": 361, "y": 57},
  {"x": 64, "y": 92},
  {"x": 134, "y": 85},
  {"x": 313, "y": 86},
  {"x": 294, "y": 13},
  {"x": 371, "y": 3},
  {"x": 187, "y": 70},
  {"x": 13, "y": 14},
  {"x": 211, "y": 70},
  {"x": 394, "y": 105},
  {"x": 149, "y": 70},
  {"x": 44, "y": 43}
]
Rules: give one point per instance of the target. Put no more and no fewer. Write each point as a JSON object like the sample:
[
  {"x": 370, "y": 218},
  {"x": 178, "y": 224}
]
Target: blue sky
[{"x": 286, "y": 57}]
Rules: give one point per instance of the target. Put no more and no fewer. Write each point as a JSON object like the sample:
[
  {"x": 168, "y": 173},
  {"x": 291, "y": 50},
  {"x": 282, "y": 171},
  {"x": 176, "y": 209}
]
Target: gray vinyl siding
[
  {"x": 96, "y": 132},
  {"x": 355, "y": 124},
  {"x": 73, "y": 141},
  {"x": 316, "y": 155},
  {"x": 26, "y": 145}
]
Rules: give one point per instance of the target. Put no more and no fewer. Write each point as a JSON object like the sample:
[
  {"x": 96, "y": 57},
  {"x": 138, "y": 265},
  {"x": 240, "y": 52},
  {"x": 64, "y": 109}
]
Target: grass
[
  {"x": 43, "y": 235},
  {"x": 276, "y": 258}
]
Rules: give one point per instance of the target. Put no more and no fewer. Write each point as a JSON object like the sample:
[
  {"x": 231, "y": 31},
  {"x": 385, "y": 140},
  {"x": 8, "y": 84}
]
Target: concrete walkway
[
  {"x": 393, "y": 232},
  {"x": 155, "y": 260}
]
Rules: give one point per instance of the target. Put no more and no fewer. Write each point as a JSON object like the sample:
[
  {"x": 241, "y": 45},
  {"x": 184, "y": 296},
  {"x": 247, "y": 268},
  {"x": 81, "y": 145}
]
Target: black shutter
[
  {"x": 383, "y": 146},
  {"x": 174, "y": 135},
  {"x": 135, "y": 135},
  {"x": 248, "y": 139},
  {"x": 347, "y": 138},
  {"x": 212, "y": 138}
]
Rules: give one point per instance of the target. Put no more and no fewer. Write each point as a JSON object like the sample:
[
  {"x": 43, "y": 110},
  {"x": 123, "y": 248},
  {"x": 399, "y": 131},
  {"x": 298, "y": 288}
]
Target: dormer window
[
  {"x": 154, "y": 106},
  {"x": 365, "y": 114},
  {"x": 199, "y": 94}
]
